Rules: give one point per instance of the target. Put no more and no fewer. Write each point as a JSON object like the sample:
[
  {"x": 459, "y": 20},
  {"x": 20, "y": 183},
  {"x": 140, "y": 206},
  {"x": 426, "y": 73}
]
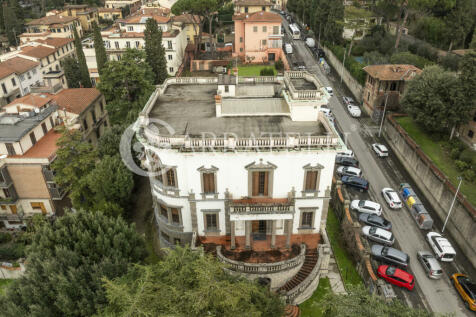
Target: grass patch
[
  {"x": 253, "y": 70},
  {"x": 437, "y": 153},
  {"x": 3, "y": 284},
  {"x": 312, "y": 307},
  {"x": 343, "y": 259}
]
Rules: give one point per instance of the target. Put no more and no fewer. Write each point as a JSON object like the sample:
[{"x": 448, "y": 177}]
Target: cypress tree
[
  {"x": 83, "y": 67},
  {"x": 101, "y": 57},
  {"x": 155, "y": 51},
  {"x": 10, "y": 22},
  {"x": 72, "y": 72}
]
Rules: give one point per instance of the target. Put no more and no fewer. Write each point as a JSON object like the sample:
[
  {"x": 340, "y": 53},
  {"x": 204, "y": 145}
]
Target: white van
[
  {"x": 441, "y": 246},
  {"x": 347, "y": 153},
  {"x": 288, "y": 48}
]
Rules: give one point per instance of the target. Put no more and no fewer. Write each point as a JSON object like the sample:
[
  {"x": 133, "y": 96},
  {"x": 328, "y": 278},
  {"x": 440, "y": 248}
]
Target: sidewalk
[{"x": 334, "y": 277}]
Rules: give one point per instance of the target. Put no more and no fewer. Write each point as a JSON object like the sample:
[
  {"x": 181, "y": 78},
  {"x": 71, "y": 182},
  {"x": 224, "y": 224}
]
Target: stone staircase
[
  {"x": 291, "y": 311},
  {"x": 306, "y": 268}
]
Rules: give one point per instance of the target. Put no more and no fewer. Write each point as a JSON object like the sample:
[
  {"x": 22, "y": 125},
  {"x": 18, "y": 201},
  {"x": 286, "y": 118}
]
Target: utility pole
[
  {"x": 452, "y": 203},
  {"x": 383, "y": 115}
]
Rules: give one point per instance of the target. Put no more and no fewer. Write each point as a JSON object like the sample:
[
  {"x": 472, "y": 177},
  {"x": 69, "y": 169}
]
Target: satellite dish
[{"x": 37, "y": 110}]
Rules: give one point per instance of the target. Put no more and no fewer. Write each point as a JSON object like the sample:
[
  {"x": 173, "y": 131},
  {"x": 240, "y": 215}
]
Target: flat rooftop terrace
[{"x": 190, "y": 110}]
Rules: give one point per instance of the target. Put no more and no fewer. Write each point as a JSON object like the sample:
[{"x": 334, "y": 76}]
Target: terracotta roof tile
[
  {"x": 76, "y": 100},
  {"x": 392, "y": 72},
  {"x": 55, "y": 41},
  {"x": 186, "y": 18},
  {"x": 142, "y": 18},
  {"x": 52, "y": 19},
  {"x": 253, "y": 3},
  {"x": 109, "y": 10},
  {"x": 39, "y": 51},
  {"x": 45, "y": 148},
  {"x": 16, "y": 65},
  {"x": 32, "y": 100},
  {"x": 263, "y": 16},
  {"x": 155, "y": 11}
]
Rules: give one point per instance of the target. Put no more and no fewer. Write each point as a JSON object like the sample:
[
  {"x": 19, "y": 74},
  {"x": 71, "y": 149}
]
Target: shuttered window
[
  {"x": 209, "y": 182},
  {"x": 260, "y": 183},
  {"x": 311, "y": 180}
]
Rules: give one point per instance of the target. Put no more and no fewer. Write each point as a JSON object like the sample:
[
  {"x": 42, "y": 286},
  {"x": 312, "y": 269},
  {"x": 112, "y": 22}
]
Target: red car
[{"x": 396, "y": 276}]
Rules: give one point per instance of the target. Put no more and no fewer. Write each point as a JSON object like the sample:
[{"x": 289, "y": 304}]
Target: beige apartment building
[
  {"x": 54, "y": 26},
  {"x": 86, "y": 14}
]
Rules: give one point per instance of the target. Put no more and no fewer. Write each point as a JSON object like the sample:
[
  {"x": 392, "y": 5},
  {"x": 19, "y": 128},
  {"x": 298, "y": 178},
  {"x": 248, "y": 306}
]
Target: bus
[{"x": 296, "y": 34}]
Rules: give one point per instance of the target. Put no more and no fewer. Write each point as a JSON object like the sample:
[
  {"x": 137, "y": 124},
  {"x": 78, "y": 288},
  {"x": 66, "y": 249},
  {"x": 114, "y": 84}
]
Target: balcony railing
[
  {"x": 56, "y": 193},
  {"x": 43, "y": 87},
  {"x": 275, "y": 206},
  {"x": 5, "y": 180},
  {"x": 48, "y": 174},
  {"x": 262, "y": 268},
  {"x": 297, "y": 94}
]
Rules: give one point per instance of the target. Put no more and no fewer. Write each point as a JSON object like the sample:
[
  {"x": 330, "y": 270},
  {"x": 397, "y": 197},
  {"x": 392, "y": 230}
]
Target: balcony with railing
[
  {"x": 56, "y": 193},
  {"x": 48, "y": 174},
  {"x": 5, "y": 179},
  {"x": 262, "y": 206}
]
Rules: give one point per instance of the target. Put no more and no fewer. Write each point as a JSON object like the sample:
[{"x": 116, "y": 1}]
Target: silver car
[
  {"x": 430, "y": 264},
  {"x": 378, "y": 235}
]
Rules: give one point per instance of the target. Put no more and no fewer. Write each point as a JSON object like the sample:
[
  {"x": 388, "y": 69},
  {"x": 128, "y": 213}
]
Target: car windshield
[
  {"x": 384, "y": 251},
  {"x": 391, "y": 270},
  {"x": 472, "y": 290},
  {"x": 372, "y": 230},
  {"x": 382, "y": 149},
  {"x": 361, "y": 203}
]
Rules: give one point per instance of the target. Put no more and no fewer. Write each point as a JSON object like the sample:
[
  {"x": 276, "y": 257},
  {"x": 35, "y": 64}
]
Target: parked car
[
  {"x": 466, "y": 289},
  {"x": 390, "y": 255},
  {"x": 349, "y": 171},
  {"x": 441, "y": 246},
  {"x": 357, "y": 182},
  {"x": 330, "y": 91},
  {"x": 430, "y": 264},
  {"x": 366, "y": 206},
  {"x": 354, "y": 110},
  {"x": 392, "y": 198},
  {"x": 376, "y": 221},
  {"x": 347, "y": 100},
  {"x": 380, "y": 149},
  {"x": 346, "y": 161},
  {"x": 378, "y": 235},
  {"x": 396, "y": 276},
  {"x": 348, "y": 153}
]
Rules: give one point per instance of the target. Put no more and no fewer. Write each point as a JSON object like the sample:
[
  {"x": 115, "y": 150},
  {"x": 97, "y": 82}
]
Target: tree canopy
[
  {"x": 83, "y": 67},
  {"x": 126, "y": 84},
  {"x": 66, "y": 262},
  {"x": 155, "y": 51},
  {"x": 187, "y": 283},
  {"x": 436, "y": 101},
  {"x": 72, "y": 72},
  {"x": 100, "y": 50}
]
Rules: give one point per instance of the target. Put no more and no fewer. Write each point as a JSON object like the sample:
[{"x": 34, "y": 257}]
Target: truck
[
  {"x": 288, "y": 48},
  {"x": 310, "y": 42},
  {"x": 416, "y": 207}
]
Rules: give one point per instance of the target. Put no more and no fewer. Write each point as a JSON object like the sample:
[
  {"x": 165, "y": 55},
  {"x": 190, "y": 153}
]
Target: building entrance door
[{"x": 258, "y": 227}]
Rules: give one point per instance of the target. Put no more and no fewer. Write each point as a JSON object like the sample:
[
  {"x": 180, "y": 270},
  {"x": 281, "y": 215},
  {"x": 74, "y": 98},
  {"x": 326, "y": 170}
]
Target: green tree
[
  {"x": 83, "y": 67},
  {"x": 468, "y": 78},
  {"x": 109, "y": 142},
  {"x": 155, "y": 51},
  {"x": 193, "y": 8},
  {"x": 71, "y": 72},
  {"x": 436, "y": 101},
  {"x": 409, "y": 58},
  {"x": 187, "y": 283},
  {"x": 100, "y": 50},
  {"x": 74, "y": 159},
  {"x": 111, "y": 184},
  {"x": 11, "y": 23},
  {"x": 359, "y": 302},
  {"x": 66, "y": 262},
  {"x": 459, "y": 23},
  {"x": 126, "y": 85}
]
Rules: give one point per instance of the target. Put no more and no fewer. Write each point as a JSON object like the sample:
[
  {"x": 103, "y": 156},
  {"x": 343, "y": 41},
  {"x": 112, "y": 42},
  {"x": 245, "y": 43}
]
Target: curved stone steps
[
  {"x": 309, "y": 263},
  {"x": 291, "y": 311}
]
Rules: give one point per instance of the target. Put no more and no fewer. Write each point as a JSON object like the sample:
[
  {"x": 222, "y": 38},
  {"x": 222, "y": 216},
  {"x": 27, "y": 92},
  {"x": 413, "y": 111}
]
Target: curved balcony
[{"x": 262, "y": 268}]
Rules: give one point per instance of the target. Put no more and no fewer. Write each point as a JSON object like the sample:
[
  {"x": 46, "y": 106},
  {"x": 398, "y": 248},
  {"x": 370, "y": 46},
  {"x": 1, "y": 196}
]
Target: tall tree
[
  {"x": 155, "y": 51},
  {"x": 187, "y": 283},
  {"x": 83, "y": 67},
  {"x": 459, "y": 23},
  {"x": 66, "y": 262},
  {"x": 109, "y": 142},
  {"x": 436, "y": 101},
  {"x": 12, "y": 27},
  {"x": 334, "y": 26},
  {"x": 100, "y": 50},
  {"x": 74, "y": 159},
  {"x": 468, "y": 78},
  {"x": 71, "y": 72},
  {"x": 126, "y": 85}
]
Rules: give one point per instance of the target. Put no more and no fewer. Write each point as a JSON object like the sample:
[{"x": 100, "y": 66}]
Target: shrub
[
  {"x": 431, "y": 29},
  {"x": 358, "y": 50},
  {"x": 12, "y": 251},
  {"x": 467, "y": 156},
  {"x": 454, "y": 153},
  {"x": 279, "y": 65},
  {"x": 460, "y": 165},
  {"x": 266, "y": 71},
  {"x": 5, "y": 237},
  {"x": 469, "y": 175},
  {"x": 449, "y": 62},
  {"x": 409, "y": 58}
]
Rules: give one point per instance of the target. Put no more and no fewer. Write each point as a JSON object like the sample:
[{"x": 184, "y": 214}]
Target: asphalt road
[{"x": 433, "y": 295}]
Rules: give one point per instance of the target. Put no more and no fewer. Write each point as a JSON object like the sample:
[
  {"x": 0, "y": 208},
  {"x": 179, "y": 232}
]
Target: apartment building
[
  {"x": 28, "y": 147},
  {"x": 189, "y": 24},
  {"x": 110, "y": 13},
  {"x": 133, "y": 5},
  {"x": 246, "y": 164},
  {"x": 54, "y": 26},
  {"x": 467, "y": 132},
  {"x": 86, "y": 14},
  {"x": 252, "y": 6},
  {"x": 386, "y": 83},
  {"x": 258, "y": 37},
  {"x": 17, "y": 75}
]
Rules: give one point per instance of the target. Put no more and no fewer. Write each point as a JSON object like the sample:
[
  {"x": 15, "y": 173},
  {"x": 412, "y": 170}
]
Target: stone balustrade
[
  {"x": 262, "y": 268},
  {"x": 262, "y": 208}
]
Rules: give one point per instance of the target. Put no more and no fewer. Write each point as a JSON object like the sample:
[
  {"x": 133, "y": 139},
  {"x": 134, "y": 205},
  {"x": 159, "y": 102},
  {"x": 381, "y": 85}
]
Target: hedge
[{"x": 355, "y": 68}]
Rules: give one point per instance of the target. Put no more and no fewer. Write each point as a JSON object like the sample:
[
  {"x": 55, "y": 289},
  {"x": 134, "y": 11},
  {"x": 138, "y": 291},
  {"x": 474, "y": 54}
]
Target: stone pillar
[
  {"x": 273, "y": 234},
  {"x": 233, "y": 243},
  {"x": 248, "y": 234},
  {"x": 289, "y": 225}
]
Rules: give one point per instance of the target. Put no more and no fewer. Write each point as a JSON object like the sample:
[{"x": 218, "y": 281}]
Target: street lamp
[
  {"x": 452, "y": 203},
  {"x": 383, "y": 116}
]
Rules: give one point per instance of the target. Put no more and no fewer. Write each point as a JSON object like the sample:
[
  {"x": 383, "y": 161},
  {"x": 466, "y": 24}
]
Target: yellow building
[
  {"x": 190, "y": 30},
  {"x": 252, "y": 6},
  {"x": 110, "y": 13},
  {"x": 85, "y": 14},
  {"x": 55, "y": 26}
]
